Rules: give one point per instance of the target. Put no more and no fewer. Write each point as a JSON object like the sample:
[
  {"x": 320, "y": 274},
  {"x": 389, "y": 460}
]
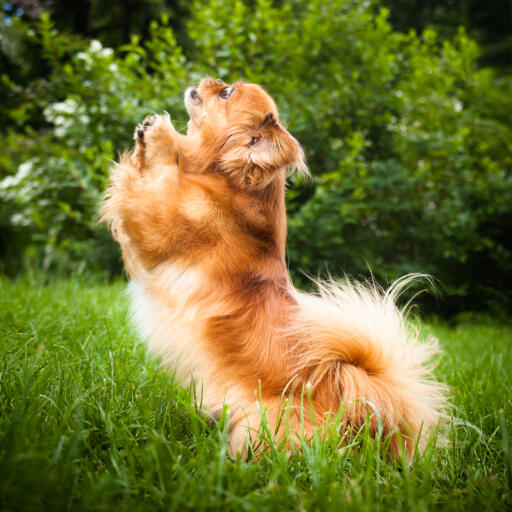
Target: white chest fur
[
  {"x": 170, "y": 308},
  {"x": 166, "y": 312}
]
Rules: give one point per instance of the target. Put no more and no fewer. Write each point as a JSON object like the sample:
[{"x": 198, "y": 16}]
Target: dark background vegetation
[{"x": 403, "y": 108}]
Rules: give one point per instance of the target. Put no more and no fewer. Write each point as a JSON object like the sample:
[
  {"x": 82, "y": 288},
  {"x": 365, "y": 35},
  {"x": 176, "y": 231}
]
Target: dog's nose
[{"x": 194, "y": 94}]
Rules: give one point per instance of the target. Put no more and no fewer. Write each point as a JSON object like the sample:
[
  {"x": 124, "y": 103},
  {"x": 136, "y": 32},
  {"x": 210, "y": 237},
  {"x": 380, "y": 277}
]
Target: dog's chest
[{"x": 169, "y": 311}]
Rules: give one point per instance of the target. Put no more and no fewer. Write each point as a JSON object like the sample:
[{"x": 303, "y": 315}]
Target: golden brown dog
[{"x": 202, "y": 225}]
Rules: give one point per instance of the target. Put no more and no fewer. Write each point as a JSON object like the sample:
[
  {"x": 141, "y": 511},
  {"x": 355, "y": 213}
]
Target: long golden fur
[{"x": 201, "y": 222}]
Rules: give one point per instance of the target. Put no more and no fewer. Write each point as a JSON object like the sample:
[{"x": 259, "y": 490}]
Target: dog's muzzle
[{"x": 192, "y": 94}]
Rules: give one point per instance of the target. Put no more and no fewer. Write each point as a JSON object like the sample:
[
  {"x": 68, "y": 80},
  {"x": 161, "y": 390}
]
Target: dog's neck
[
  {"x": 272, "y": 197},
  {"x": 259, "y": 212},
  {"x": 272, "y": 265}
]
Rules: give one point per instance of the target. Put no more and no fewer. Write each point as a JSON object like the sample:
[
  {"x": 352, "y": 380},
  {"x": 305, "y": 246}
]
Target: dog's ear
[
  {"x": 269, "y": 120},
  {"x": 273, "y": 147},
  {"x": 253, "y": 156}
]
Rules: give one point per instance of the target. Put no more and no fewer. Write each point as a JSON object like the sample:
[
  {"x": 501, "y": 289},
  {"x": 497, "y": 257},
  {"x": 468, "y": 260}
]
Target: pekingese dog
[{"x": 201, "y": 222}]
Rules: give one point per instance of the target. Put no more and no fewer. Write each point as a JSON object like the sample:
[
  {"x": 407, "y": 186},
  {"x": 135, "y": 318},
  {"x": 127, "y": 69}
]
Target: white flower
[
  {"x": 95, "y": 46},
  {"x": 107, "y": 52},
  {"x": 18, "y": 219},
  {"x": 23, "y": 171},
  {"x": 86, "y": 59},
  {"x": 113, "y": 67},
  {"x": 48, "y": 114},
  {"x": 8, "y": 182},
  {"x": 457, "y": 105},
  {"x": 65, "y": 107}
]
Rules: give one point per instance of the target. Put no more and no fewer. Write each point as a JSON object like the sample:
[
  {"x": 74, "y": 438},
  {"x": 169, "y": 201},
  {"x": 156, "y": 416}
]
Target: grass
[{"x": 89, "y": 422}]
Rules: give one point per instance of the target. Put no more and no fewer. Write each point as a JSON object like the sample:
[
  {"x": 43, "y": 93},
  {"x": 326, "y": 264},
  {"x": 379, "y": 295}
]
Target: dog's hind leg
[
  {"x": 156, "y": 143},
  {"x": 275, "y": 421}
]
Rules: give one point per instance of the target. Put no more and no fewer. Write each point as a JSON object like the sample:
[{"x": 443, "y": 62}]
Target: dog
[{"x": 201, "y": 222}]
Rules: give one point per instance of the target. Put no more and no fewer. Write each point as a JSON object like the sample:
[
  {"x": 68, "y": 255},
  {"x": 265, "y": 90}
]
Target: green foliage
[
  {"x": 89, "y": 422},
  {"x": 90, "y": 103},
  {"x": 407, "y": 139},
  {"x": 487, "y": 22}
]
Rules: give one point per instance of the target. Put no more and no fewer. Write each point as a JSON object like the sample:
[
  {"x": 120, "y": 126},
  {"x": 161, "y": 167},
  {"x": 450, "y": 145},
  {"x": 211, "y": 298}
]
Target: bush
[{"x": 406, "y": 137}]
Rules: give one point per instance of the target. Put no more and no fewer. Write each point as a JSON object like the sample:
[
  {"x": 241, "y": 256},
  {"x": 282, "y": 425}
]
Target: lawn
[{"x": 89, "y": 422}]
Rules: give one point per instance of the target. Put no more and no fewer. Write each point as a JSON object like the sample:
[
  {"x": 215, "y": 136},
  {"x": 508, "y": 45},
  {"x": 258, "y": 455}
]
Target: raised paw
[
  {"x": 143, "y": 127},
  {"x": 156, "y": 142}
]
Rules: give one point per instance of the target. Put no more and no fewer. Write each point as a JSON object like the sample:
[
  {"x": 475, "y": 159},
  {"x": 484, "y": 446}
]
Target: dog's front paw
[
  {"x": 155, "y": 142},
  {"x": 143, "y": 127}
]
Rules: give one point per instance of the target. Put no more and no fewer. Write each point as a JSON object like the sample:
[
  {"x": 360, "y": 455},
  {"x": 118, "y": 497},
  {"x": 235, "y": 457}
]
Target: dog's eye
[{"x": 226, "y": 93}]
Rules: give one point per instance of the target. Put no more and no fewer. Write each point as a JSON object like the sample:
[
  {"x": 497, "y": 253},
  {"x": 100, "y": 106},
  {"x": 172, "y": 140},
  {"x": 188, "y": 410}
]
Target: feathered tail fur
[{"x": 356, "y": 347}]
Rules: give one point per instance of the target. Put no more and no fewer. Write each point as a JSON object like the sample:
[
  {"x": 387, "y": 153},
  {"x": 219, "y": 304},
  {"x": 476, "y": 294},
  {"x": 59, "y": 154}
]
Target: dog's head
[{"x": 239, "y": 124}]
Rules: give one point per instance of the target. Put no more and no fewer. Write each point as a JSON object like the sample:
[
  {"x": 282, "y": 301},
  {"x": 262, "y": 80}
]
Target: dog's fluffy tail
[{"x": 359, "y": 353}]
